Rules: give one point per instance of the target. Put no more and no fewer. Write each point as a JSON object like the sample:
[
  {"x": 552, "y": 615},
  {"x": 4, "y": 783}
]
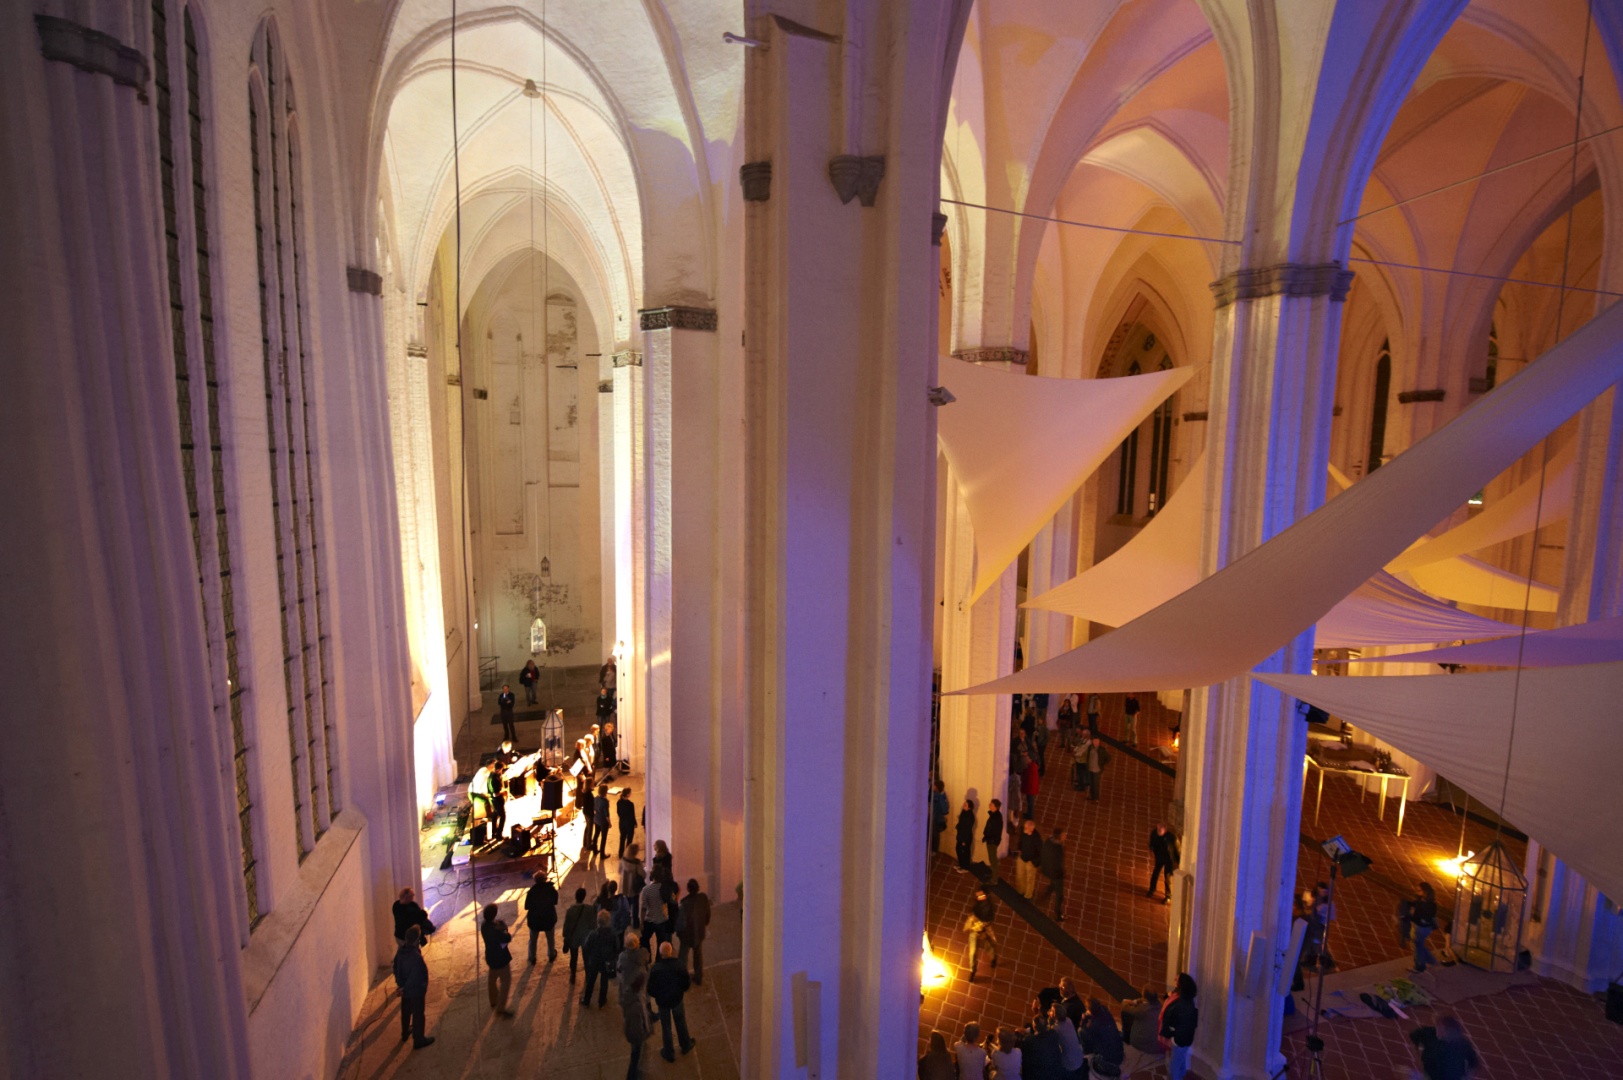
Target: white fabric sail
[
  {"x": 1516, "y": 514},
  {"x": 1239, "y": 616},
  {"x": 1019, "y": 445},
  {"x": 1596, "y": 642},
  {"x": 1472, "y": 581},
  {"x": 1563, "y": 762},
  {"x": 1163, "y": 560}
]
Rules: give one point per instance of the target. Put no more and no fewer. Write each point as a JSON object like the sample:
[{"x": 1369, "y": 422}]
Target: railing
[{"x": 488, "y": 675}]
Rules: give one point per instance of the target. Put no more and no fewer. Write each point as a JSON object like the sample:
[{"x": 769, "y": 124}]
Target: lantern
[{"x": 1489, "y": 899}]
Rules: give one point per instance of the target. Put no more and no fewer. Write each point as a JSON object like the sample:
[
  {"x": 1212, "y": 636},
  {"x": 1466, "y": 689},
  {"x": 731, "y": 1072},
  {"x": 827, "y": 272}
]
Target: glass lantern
[{"x": 1489, "y": 899}]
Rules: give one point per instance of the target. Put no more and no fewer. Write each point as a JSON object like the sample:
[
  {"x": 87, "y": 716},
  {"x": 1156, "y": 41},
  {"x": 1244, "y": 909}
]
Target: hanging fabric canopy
[
  {"x": 1019, "y": 445},
  {"x": 1564, "y": 761},
  {"x": 1239, "y": 616},
  {"x": 1514, "y": 515},
  {"x": 1163, "y": 560},
  {"x": 1597, "y": 642},
  {"x": 1472, "y": 581}
]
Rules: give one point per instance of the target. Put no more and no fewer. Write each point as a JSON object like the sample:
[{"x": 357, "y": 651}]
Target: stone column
[
  {"x": 1273, "y": 382},
  {"x": 695, "y": 726},
  {"x": 840, "y": 344},
  {"x": 630, "y": 554},
  {"x": 119, "y": 859}
]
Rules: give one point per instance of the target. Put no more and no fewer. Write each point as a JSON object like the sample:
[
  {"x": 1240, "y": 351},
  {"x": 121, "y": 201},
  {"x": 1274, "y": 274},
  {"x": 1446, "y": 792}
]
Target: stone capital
[
  {"x": 677, "y": 318},
  {"x": 1285, "y": 279},
  {"x": 629, "y": 358},
  {"x": 1004, "y": 354}
]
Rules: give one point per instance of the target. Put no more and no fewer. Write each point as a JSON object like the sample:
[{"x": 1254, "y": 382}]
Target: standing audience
[
  {"x": 1052, "y": 863},
  {"x": 579, "y": 921},
  {"x": 1179, "y": 1018},
  {"x": 599, "y": 955},
  {"x": 667, "y": 983},
  {"x": 411, "y": 976},
  {"x": 498, "y": 959},
  {"x": 408, "y": 913},
  {"x": 1164, "y": 851},
  {"x": 693, "y": 918},
  {"x": 965, "y": 841},
  {"x": 633, "y": 973},
  {"x": 992, "y": 836},
  {"x": 541, "y": 913},
  {"x": 1031, "y": 851},
  {"x": 626, "y": 812},
  {"x": 1424, "y": 917}
]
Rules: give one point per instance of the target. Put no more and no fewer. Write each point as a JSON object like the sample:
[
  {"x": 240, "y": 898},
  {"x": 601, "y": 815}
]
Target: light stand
[{"x": 1343, "y": 860}]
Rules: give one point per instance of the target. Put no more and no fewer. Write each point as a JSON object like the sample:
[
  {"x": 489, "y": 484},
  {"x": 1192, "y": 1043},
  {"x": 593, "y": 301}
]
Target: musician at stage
[{"x": 489, "y": 795}]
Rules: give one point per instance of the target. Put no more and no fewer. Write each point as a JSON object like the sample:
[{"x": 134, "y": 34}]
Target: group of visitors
[{"x": 1067, "y": 1037}]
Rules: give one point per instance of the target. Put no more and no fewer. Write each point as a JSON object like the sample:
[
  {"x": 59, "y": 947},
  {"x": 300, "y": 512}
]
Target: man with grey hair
[{"x": 667, "y": 984}]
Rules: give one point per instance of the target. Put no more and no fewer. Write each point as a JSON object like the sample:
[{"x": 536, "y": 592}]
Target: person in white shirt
[
  {"x": 971, "y": 1057},
  {"x": 1006, "y": 1058}
]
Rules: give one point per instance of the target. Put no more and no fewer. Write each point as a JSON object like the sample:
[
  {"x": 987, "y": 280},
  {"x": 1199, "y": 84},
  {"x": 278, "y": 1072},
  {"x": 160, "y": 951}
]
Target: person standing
[
  {"x": 1093, "y": 715},
  {"x": 1067, "y": 723},
  {"x": 541, "y": 913},
  {"x": 1445, "y": 1052},
  {"x": 992, "y": 836},
  {"x": 938, "y": 814},
  {"x": 693, "y": 919},
  {"x": 1031, "y": 852},
  {"x": 1164, "y": 851},
  {"x": 651, "y": 904},
  {"x": 598, "y": 956},
  {"x": 579, "y": 921},
  {"x": 505, "y": 702},
  {"x": 982, "y": 935},
  {"x": 626, "y": 811},
  {"x": 527, "y": 679},
  {"x": 1052, "y": 863},
  {"x": 411, "y": 977},
  {"x": 1424, "y": 917},
  {"x": 600, "y": 821},
  {"x": 1039, "y": 738},
  {"x": 408, "y": 913},
  {"x": 632, "y": 878},
  {"x": 608, "y": 674},
  {"x": 498, "y": 959},
  {"x": 1179, "y": 1018},
  {"x": 1130, "y": 711},
  {"x": 1030, "y": 781},
  {"x": 971, "y": 1056},
  {"x": 965, "y": 841},
  {"x": 633, "y": 972},
  {"x": 667, "y": 984},
  {"x": 608, "y": 750},
  {"x": 1098, "y": 758},
  {"x": 605, "y": 704}
]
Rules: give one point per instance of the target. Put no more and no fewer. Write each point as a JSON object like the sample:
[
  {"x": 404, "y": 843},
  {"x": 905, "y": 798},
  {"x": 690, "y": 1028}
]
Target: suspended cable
[
  {"x": 1481, "y": 175},
  {"x": 1544, "y": 466},
  {"x": 1484, "y": 277},
  {"x": 1089, "y": 224}
]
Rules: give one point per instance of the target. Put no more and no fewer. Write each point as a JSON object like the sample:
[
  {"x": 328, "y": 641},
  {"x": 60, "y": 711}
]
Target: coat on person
[
  {"x": 601, "y": 950},
  {"x": 541, "y": 905},
  {"x": 579, "y": 922},
  {"x": 667, "y": 981},
  {"x": 410, "y": 971}
]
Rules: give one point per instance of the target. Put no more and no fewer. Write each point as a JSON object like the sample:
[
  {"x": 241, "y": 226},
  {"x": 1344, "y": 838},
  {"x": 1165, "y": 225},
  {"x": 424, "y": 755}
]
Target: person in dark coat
[
  {"x": 411, "y": 976},
  {"x": 693, "y": 925},
  {"x": 600, "y": 821},
  {"x": 1051, "y": 861},
  {"x": 938, "y": 814},
  {"x": 992, "y": 836},
  {"x": 1445, "y": 1052},
  {"x": 527, "y": 679},
  {"x": 1164, "y": 850},
  {"x": 541, "y": 914},
  {"x": 408, "y": 913},
  {"x": 1423, "y": 916},
  {"x": 626, "y": 811},
  {"x": 1031, "y": 853},
  {"x": 965, "y": 841},
  {"x": 1041, "y": 1056},
  {"x": 579, "y": 922},
  {"x": 498, "y": 960},
  {"x": 667, "y": 983},
  {"x": 1029, "y": 784},
  {"x": 1100, "y": 1036},
  {"x": 632, "y": 968},
  {"x": 1179, "y": 1018},
  {"x": 982, "y": 936},
  {"x": 608, "y": 749},
  {"x": 1129, "y": 710},
  {"x": 599, "y": 955},
  {"x": 605, "y": 704},
  {"x": 505, "y": 702}
]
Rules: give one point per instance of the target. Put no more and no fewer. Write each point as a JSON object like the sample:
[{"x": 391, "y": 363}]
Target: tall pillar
[
  {"x": 1273, "y": 382},
  {"x": 144, "y": 888},
  {"x": 694, "y": 725},
  {"x": 630, "y": 555},
  {"x": 840, "y": 344}
]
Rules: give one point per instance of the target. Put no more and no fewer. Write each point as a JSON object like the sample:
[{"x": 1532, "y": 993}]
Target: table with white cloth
[{"x": 1360, "y": 764}]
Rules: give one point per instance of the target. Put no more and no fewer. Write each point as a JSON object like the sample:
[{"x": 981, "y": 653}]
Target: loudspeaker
[
  {"x": 552, "y": 794},
  {"x": 1614, "y": 1003},
  {"x": 515, "y": 787},
  {"x": 480, "y": 833}
]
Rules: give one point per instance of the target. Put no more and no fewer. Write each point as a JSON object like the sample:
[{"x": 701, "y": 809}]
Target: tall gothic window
[
  {"x": 294, "y": 468},
  {"x": 1160, "y": 447},
  {"x": 1128, "y": 465},
  {"x": 1377, "y": 420},
  {"x": 183, "y": 180}
]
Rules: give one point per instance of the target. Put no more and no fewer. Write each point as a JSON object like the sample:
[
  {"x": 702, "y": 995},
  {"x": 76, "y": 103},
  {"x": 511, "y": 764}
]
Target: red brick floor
[{"x": 1109, "y": 865}]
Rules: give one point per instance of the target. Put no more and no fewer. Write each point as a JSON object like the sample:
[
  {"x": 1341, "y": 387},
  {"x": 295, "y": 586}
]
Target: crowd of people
[{"x": 1067, "y": 1037}]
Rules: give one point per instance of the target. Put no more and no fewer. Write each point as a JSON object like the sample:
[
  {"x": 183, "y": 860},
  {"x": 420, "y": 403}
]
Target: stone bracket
[
  {"x": 677, "y": 318},
  {"x": 857, "y": 177},
  {"x": 605, "y": 386},
  {"x": 419, "y": 352},
  {"x": 362, "y": 280},
  {"x": 625, "y": 359},
  {"x": 1006, "y": 354},
  {"x": 1408, "y": 397},
  {"x": 1286, "y": 279},
  {"x": 789, "y": 26},
  {"x": 1191, "y": 417},
  {"x": 92, "y": 51},
  {"x": 938, "y": 226},
  {"x": 755, "y": 178}
]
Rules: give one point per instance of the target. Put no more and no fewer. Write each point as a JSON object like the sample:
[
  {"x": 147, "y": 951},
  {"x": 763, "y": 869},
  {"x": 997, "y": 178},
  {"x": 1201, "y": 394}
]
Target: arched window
[
  {"x": 295, "y": 510},
  {"x": 1127, "y": 478},
  {"x": 1160, "y": 447},
  {"x": 1377, "y": 420},
  {"x": 183, "y": 182}
]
